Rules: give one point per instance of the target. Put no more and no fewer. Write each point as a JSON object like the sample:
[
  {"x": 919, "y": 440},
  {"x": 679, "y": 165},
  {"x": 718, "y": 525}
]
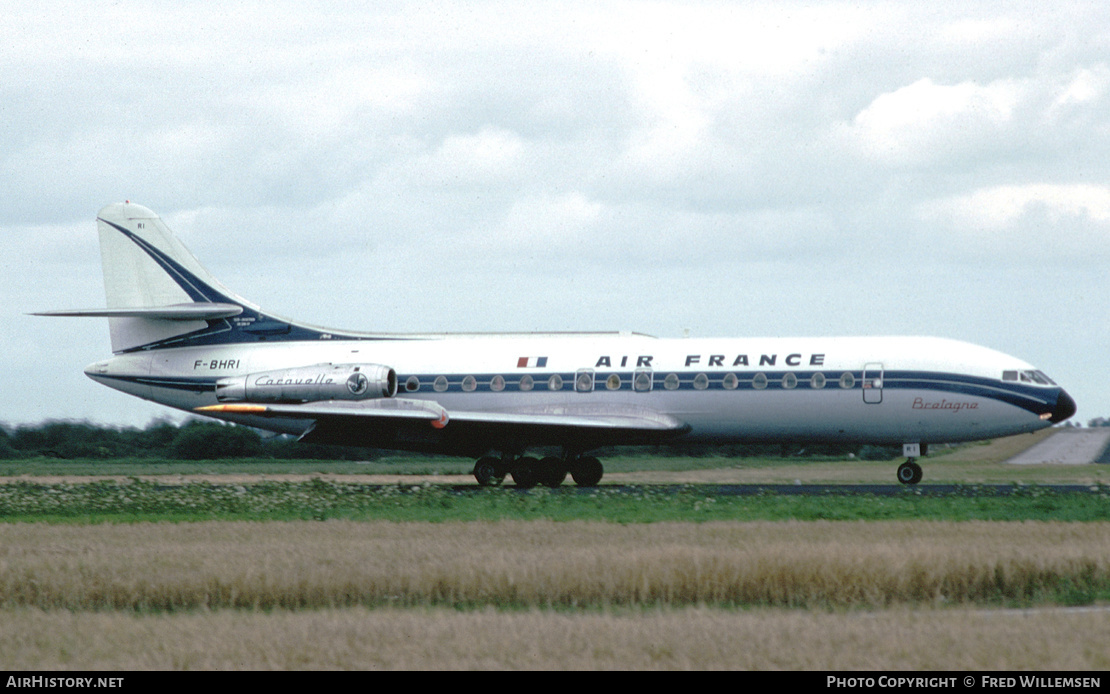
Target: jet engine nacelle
[{"x": 311, "y": 383}]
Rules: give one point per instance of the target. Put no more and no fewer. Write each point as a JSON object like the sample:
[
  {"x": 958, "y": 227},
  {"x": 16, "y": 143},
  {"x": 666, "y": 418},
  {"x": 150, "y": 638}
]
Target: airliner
[{"x": 533, "y": 406}]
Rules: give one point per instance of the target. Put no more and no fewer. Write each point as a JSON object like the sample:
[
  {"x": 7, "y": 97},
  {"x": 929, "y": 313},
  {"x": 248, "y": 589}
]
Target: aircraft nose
[{"x": 1065, "y": 407}]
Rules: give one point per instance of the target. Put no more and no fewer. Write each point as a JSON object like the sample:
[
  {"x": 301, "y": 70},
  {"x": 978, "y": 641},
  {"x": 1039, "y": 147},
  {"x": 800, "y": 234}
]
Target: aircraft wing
[{"x": 420, "y": 423}]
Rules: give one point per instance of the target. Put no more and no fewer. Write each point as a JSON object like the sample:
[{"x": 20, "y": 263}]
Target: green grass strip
[{"x": 139, "y": 500}]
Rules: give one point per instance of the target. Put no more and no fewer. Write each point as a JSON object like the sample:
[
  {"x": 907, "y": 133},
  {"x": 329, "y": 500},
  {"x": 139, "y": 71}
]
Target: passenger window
[
  {"x": 584, "y": 381},
  {"x": 671, "y": 382},
  {"x": 789, "y": 380},
  {"x": 817, "y": 381},
  {"x": 730, "y": 382},
  {"x": 440, "y": 384},
  {"x": 642, "y": 380},
  {"x": 469, "y": 383},
  {"x": 497, "y": 384},
  {"x": 613, "y": 382},
  {"x": 701, "y": 381},
  {"x": 759, "y": 381},
  {"x": 412, "y": 384},
  {"x": 555, "y": 382},
  {"x": 847, "y": 380},
  {"x": 526, "y": 383}
]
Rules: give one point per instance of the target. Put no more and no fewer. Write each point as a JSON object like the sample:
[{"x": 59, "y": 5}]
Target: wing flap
[{"x": 584, "y": 416}]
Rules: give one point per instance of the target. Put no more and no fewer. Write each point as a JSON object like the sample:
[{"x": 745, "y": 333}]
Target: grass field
[
  {"x": 769, "y": 595},
  {"x": 698, "y": 638},
  {"x": 262, "y": 565}
]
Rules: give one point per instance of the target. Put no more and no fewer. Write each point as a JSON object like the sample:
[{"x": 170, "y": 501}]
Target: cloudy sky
[{"x": 727, "y": 168}]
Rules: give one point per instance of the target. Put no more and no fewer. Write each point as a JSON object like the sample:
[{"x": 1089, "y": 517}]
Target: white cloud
[
  {"x": 490, "y": 156},
  {"x": 925, "y": 121},
  {"x": 1000, "y": 207},
  {"x": 1038, "y": 225}
]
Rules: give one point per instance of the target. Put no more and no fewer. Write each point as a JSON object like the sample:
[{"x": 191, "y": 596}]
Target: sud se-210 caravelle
[{"x": 182, "y": 339}]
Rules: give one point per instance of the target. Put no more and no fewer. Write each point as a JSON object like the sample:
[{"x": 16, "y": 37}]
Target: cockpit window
[
  {"x": 1028, "y": 376},
  {"x": 1039, "y": 377}
]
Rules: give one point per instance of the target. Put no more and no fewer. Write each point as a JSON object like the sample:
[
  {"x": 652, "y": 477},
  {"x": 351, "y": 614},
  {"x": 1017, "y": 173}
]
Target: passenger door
[{"x": 873, "y": 383}]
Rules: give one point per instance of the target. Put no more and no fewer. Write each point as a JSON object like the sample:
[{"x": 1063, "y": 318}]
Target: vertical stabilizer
[
  {"x": 146, "y": 267},
  {"x": 160, "y": 296}
]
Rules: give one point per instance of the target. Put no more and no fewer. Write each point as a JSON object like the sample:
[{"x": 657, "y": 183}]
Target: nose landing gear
[{"x": 909, "y": 472}]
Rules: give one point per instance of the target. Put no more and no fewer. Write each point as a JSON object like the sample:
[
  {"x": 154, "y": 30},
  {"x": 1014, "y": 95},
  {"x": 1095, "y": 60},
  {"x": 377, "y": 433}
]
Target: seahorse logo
[{"x": 358, "y": 383}]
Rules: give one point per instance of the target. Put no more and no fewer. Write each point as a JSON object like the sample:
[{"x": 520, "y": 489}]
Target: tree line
[{"x": 193, "y": 440}]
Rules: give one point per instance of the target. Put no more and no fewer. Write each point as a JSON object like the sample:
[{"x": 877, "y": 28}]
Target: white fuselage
[{"x": 882, "y": 390}]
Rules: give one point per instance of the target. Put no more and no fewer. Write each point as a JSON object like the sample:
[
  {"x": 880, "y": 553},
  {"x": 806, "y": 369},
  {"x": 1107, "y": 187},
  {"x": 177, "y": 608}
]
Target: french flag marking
[{"x": 531, "y": 362}]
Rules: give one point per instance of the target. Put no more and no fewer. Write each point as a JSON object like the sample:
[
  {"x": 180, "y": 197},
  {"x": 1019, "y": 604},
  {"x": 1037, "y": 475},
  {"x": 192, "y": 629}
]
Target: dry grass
[
  {"x": 545, "y": 564},
  {"x": 87, "y": 597},
  {"x": 694, "y": 638}
]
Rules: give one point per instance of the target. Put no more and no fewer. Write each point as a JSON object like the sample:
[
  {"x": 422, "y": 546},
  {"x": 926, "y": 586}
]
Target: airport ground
[{"x": 871, "y": 595}]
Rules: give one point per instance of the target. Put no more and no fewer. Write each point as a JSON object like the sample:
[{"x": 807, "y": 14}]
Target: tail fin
[
  {"x": 147, "y": 268},
  {"x": 158, "y": 295}
]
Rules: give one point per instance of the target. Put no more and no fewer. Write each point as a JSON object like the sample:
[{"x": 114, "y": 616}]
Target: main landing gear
[{"x": 527, "y": 472}]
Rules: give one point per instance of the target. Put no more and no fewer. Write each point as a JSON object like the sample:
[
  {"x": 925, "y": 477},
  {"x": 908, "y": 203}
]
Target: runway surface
[
  {"x": 964, "y": 490},
  {"x": 1068, "y": 446}
]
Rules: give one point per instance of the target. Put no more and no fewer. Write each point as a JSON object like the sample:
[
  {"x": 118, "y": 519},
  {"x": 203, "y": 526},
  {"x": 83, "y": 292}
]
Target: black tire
[
  {"x": 552, "y": 472},
  {"x": 488, "y": 473},
  {"x": 525, "y": 473},
  {"x": 587, "y": 471},
  {"x": 909, "y": 472}
]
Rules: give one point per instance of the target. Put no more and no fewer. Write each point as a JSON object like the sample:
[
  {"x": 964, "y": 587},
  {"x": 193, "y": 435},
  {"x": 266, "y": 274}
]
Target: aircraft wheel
[
  {"x": 487, "y": 472},
  {"x": 586, "y": 471},
  {"x": 909, "y": 472},
  {"x": 552, "y": 472},
  {"x": 526, "y": 473}
]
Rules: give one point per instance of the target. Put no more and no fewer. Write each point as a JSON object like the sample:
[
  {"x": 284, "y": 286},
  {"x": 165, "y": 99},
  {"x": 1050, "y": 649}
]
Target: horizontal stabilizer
[{"x": 185, "y": 312}]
